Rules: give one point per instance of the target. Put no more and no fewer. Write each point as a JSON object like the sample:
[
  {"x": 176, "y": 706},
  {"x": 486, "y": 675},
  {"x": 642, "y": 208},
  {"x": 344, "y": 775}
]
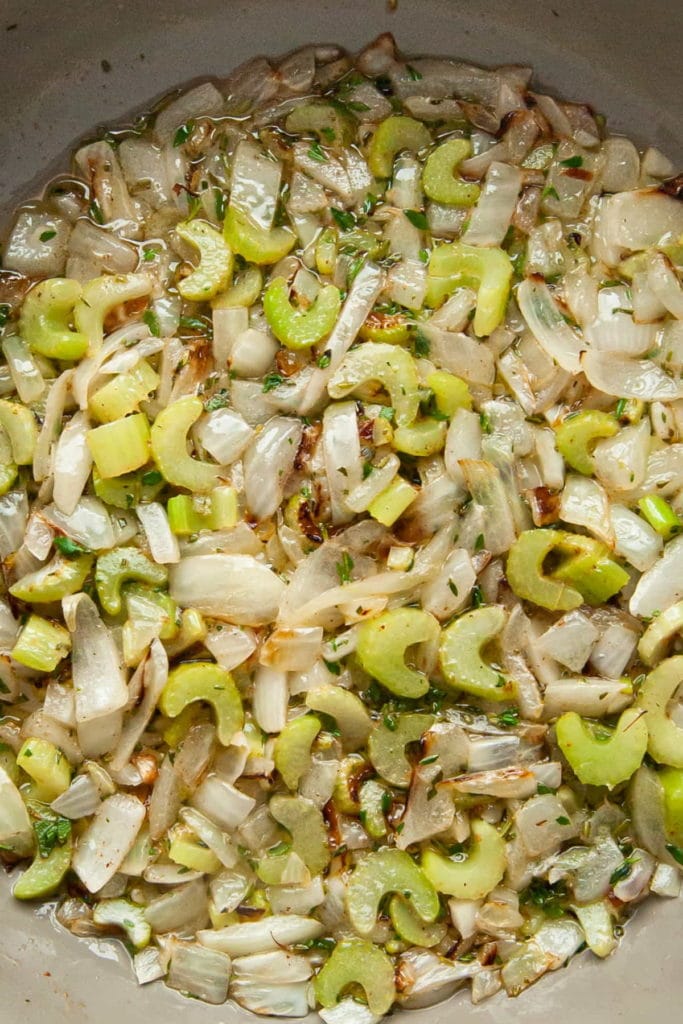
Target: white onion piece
[
  {"x": 255, "y": 184},
  {"x": 169, "y": 874},
  {"x": 52, "y": 421},
  {"x": 23, "y": 369},
  {"x": 591, "y": 697},
  {"x": 449, "y": 591},
  {"x": 429, "y": 810},
  {"x": 236, "y": 588},
  {"x": 665, "y": 284},
  {"x": 491, "y": 216},
  {"x": 59, "y": 703},
  {"x": 262, "y": 936},
  {"x": 635, "y": 221},
  {"x": 293, "y": 650},
  {"x": 560, "y": 341},
  {"x": 268, "y": 461},
  {"x": 461, "y": 355},
  {"x": 407, "y": 282},
  {"x": 613, "y": 651},
  {"x": 155, "y": 676},
  {"x": 224, "y": 434},
  {"x": 80, "y": 800},
  {"x": 298, "y": 899},
  {"x": 98, "y": 680},
  {"x": 13, "y": 518},
  {"x": 211, "y": 835},
  {"x": 252, "y": 353},
  {"x": 16, "y": 831},
  {"x": 89, "y": 524},
  {"x": 222, "y": 803},
  {"x": 666, "y": 881},
  {"x": 147, "y": 965},
  {"x": 621, "y": 169},
  {"x": 348, "y": 1011},
  {"x": 635, "y": 540},
  {"x": 72, "y": 464},
  {"x": 584, "y": 503},
  {"x": 342, "y": 455},
  {"x": 484, "y": 482},
  {"x": 230, "y": 645},
  {"x": 121, "y": 362},
  {"x": 662, "y": 584},
  {"x": 200, "y": 101},
  {"x": 538, "y": 828},
  {"x": 621, "y": 461},
  {"x": 278, "y": 967},
  {"x": 111, "y": 834},
  {"x": 377, "y": 481},
  {"x": 269, "y": 1000},
  {"x": 228, "y": 324},
  {"x": 549, "y": 949},
  {"x": 614, "y": 328},
  {"x": 455, "y": 312},
  {"x": 199, "y": 972},
  {"x": 581, "y": 294},
  {"x": 570, "y": 640},
  {"x": 163, "y": 544},
  {"x": 429, "y": 978},
  {"x": 182, "y": 909},
  {"x": 463, "y": 441},
  {"x": 269, "y": 700}
]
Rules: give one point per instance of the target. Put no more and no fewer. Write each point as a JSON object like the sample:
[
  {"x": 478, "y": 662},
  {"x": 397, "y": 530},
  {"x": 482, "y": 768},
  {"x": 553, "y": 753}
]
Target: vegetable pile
[{"x": 341, "y": 482}]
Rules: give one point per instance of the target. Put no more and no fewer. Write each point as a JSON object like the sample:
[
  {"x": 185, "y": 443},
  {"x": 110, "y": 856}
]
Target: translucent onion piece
[
  {"x": 111, "y": 834},
  {"x": 268, "y": 462},
  {"x": 236, "y": 588}
]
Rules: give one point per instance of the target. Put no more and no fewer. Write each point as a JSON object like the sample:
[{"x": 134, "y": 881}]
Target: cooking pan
[{"x": 68, "y": 67}]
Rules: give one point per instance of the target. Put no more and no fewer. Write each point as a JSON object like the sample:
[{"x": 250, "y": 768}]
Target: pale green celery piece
[
  {"x": 578, "y": 434},
  {"x": 192, "y": 630},
  {"x": 665, "y": 744},
  {"x": 463, "y": 665},
  {"x": 450, "y": 392},
  {"x": 123, "y": 914},
  {"x": 116, "y": 567},
  {"x": 598, "y": 926},
  {"x": 424, "y": 437},
  {"x": 387, "y": 746},
  {"x": 254, "y": 243},
  {"x": 121, "y": 447},
  {"x": 525, "y": 572},
  {"x": 329, "y": 121},
  {"x": 19, "y": 424},
  {"x": 59, "y": 578},
  {"x": 300, "y": 328},
  {"x": 671, "y": 781},
  {"x": 144, "y": 602},
  {"x": 47, "y": 766},
  {"x": 390, "y": 328},
  {"x": 215, "y": 261},
  {"x": 438, "y": 178},
  {"x": 123, "y": 393},
  {"x": 603, "y": 762},
  {"x": 204, "y": 680},
  {"x": 473, "y": 876},
  {"x": 390, "y": 366},
  {"x": 244, "y": 290},
  {"x": 45, "y": 319},
  {"x": 372, "y": 796},
  {"x": 347, "y": 710},
  {"x": 658, "y": 513},
  {"x": 597, "y": 578},
  {"x": 411, "y": 928},
  {"x": 487, "y": 270},
  {"x": 326, "y": 252},
  {"x": 187, "y": 850},
  {"x": 99, "y": 297},
  {"x": 169, "y": 447},
  {"x": 306, "y": 825},
  {"x": 8, "y": 468},
  {"x": 352, "y": 768},
  {"x": 382, "y": 645},
  {"x": 189, "y": 514},
  {"x": 381, "y": 873},
  {"x": 127, "y": 490},
  {"x": 356, "y": 962},
  {"x": 41, "y": 644},
  {"x": 292, "y": 750},
  {"x": 45, "y": 874},
  {"x": 393, "y": 135},
  {"x": 275, "y": 863},
  {"x": 391, "y": 503}
]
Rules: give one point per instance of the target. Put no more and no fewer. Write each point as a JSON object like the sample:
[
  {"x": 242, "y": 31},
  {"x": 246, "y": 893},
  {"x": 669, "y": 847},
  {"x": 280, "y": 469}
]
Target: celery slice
[
  {"x": 488, "y": 270},
  {"x": 438, "y": 179},
  {"x": 577, "y": 435},
  {"x": 382, "y": 645},
  {"x": 169, "y": 447},
  {"x": 45, "y": 874},
  {"x": 355, "y": 962},
  {"x": 203, "y": 680},
  {"x": 388, "y": 365},
  {"x": 120, "y": 447},
  {"x": 603, "y": 762},
  {"x": 59, "y": 578},
  {"x": 253, "y": 243},
  {"x": 215, "y": 261},
  {"x": 387, "y": 746},
  {"x": 41, "y": 644},
  {"x": 292, "y": 752},
  {"x": 115, "y": 567},
  {"x": 665, "y": 744},
  {"x": 393, "y": 135},
  {"x": 300, "y": 328},
  {"x": 473, "y": 876},
  {"x": 306, "y": 825},
  {"x": 461, "y": 657},
  {"x": 381, "y": 873},
  {"x": 47, "y": 766},
  {"x": 411, "y": 928},
  {"x": 45, "y": 318}
]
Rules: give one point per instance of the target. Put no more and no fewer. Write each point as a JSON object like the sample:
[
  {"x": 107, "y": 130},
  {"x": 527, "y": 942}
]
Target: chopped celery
[
  {"x": 608, "y": 760},
  {"x": 526, "y": 576},
  {"x": 654, "y": 641},
  {"x": 388, "y": 365},
  {"x": 438, "y": 178},
  {"x": 52, "y": 582},
  {"x": 665, "y": 743},
  {"x": 577, "y": 435},
  {"x": 169, "y": 447},
  {"x": 347, "y": 710},
  {"x": 421, "y": 438},
  {"x": 355, "y": 962},
  {"x": 292, "y": 752},
  {"x": 188, "y": 851},
  {"x": 192, "y": 631},
  {"x": 47, "y": 766},
  {"x": 450, "y": 392},
  {"x": 351, "y": 769},
  {"x": 488, "y": 270},
  {"x": 41, "y": 644},
  {"x": 390, "y": 329},
  {"x": 120, "y": 447},
  {"x": 45, "y": 874},
  {"x": 371, "y": 799},
  {"x": 8, "y": 468},
  {"x": 461, "y": 658},
  {"x": 123, "y": 914},
  {"x": 385, "y": 872},
  {"x": 671, "y": 781},
  {"x": 471, "y": 876},
  {"x": 598, "y": 926},
  {"x": 588, "y": 568},
  {"x": 387, "y": 746},
  {"x": 243, "y": 292},
  {"x": 254, "y": 243},
  {"x": 19, "y": 424},
  {"x": 393, "y": 135},
  {"x": 189, "y": 514},
  {"x": 382, "y": 646},
  {"x": 175, "y": 733},
  {"x": 129, "y": 489},
  {"x": 102, "y": 294},
  {"x": 411, "y": 928},
  {"x": 306, "y": 825},
  {"x": 204, "y": 680},
  {"x": 326, "y": 252},
  {"x": 391, "y": 503},
  {"x": 215, "y": 261},
  {"x": 658, "y": 513},
  {"x": 326, "y": 119},
  {"x": 116, "y": 567},
  {"x": 45, "y": 318},
  {"x": 300, "y": 328},
  {"x": 123, "y": 393}
]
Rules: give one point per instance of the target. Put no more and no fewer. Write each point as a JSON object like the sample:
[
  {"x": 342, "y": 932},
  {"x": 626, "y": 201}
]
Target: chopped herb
[
  {"x": 152, "y": 320},
  {"x": 47, "y": 235},
  {"x": 220, "y": 203},
  {"x": 357, "y": 106},
  {"x": 562, "y": 820},
  {"x": 676, "y": 852},
  {"x": 452, "y": 587},
  {"x": 572, "y": 161},
  {"x": 549, "y": 191},
  {"x": 69, "y": 548},
  {"x": 387, "y": 801},
  {"x": 329, "y": 133},
  {"x": 479, "y": 542},
  {"x": 390, "y": 723},
  {"x": 149, "y": 253},
  {"x": 327, "y": 944},
  {"x": 344, "y": 218},
  {"x": 194, "y": 323},
  {"x": 332, "y": 666},
  {"x": 477, "y": 596},
  {"x": 622, "y": 871},
  {"x": 151, "y": 478},
  {"x": 424, "y": 255},
  {"x": 621, "y": 408},
  {"x": 95, "y": 211},
  {"x": 324, "y": 360},
  {"x": 414, "y": 73},
  {"x": 4, "y": 313},
  {"x": 485, "y": 422},
  {"x": 344, "y": 568},
  {"x": 355, "y": 268},
  {"x": 417, "y": 219},
  {"x": 183, "y": 133},
  {"x": 217, "y": 401},
  {"x": 548, "y": 897},
  {"x": 272, "y": 381},
  {"x": 508, "y": 718},
  {"x": 369, "y": 204},
  {"x": 421, "y": 345},
  {"x": 316, "y": 152},
  {"x": 49, "y": 832},
  {"x": 430, "y": 760},
  {"x": 386, "y": 412},
  {"x": 368, "y": 468},
  {"x": 542, "y": 789}
]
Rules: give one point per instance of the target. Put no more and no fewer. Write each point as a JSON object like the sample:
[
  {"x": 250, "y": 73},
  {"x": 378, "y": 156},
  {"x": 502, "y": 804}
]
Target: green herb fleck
[
  {"x": 386, "y": 413},
  {"x": 332, "y": 666},
  {"x": 272, "y": 381},
  {"x": 479, "y": 542},
  {"x": 550, "y": 192},
  {"x": 151, "y": 478},
  {"x": 49, "y": 832},
  {"x": 183, "y": 133},
  {"x": 324, "y": 360},
  {"x": 563, "y": 820},
  {"x": 95, "y": 211},
  {"x": 421, "y": 345},
  {"x": 316, "y": 152},
  {"x": 150, "y": 318},
  {"x": 572, "y": 161},
  {"x": 357, "y": 106},
  {"x": 149, "y": 253},
  {"x": 676, "y": 852},
  {"x": 345, "y": 568},
  {"x": 69, "y": 548},
  {"x": 477, "y": 596},
  {"x": 4, "y": 313},
  {"x": 217, "y": 401},
  {"x": 344, "y": 218},
  {"x": 414, "y": 73},
  {"x": 508, "y": 718},
  {"x": 417, "y": 219},
  {"x": 47, "y": 235}
]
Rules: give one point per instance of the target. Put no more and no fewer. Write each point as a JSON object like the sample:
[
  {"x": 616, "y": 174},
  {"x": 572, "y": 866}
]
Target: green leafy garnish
[
  {"x": 676, "y": 852},
  {"x": 572, "y": 161},
  {"x": 49, "y": 832},
  {"x": 344, "y": 218},
  {"x": 417, "y": 219},
  {"x": 47, "y": 235},
  {"x": 183, "y": 133},
  {"x": 272, "y": 381},
  {"x": 344, "y": 568},
  {"x": 69, "y": 548},
  {"x": 316, "y": 152},
  {"x": 508, "y": 718},
  {"x": 150, "y": 318}
]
